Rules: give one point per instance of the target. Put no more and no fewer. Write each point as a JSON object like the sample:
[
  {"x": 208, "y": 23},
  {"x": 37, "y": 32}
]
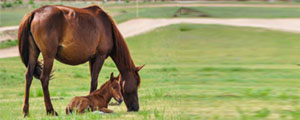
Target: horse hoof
[
  {"x": 25, "y": 110},
  {"x": 53, "y": 113},
  {"x": 25, "y": 115}
]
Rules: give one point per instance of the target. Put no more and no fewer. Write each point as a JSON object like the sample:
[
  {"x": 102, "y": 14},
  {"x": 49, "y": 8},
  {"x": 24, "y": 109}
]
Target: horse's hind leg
[
  {"x": 84, "y": 105},
  {"x": 45, "y": 77},
  {"x": 33, "y": 56}
]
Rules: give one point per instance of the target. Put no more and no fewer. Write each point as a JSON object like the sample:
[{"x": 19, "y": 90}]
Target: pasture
[
  {"x": 192, "y": 72},
  {"x": 206, "y": 72},
  {"x": 13, "y": 16},
  {"x": 9, "y": 43}
]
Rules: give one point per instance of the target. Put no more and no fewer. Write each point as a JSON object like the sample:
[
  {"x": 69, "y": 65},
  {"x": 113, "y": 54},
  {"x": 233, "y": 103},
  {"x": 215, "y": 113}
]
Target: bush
[
  {"x": 6, "y": 4},
  {"x": 31, "y": 2},
  {"x": 19, "y": 2}
]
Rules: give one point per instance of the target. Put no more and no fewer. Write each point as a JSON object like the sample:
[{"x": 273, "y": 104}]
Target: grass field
[
  {"x": 9, "y": 17},
  {"x": 192, "y": 72},
  {"x": 9, "y": 43}
]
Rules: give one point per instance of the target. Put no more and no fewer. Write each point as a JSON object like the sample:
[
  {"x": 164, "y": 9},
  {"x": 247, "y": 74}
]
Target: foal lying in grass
[{"x": 99, "y": 99}]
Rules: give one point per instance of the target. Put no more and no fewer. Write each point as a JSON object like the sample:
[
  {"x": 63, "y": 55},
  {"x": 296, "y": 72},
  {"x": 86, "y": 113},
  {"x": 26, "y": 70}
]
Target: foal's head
[{"x": 115, "y": 88}]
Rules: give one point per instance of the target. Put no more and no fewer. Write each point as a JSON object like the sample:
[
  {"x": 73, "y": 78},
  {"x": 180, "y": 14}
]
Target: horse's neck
[
  {"x": 124, "y": 65},
  {"x": 103, "y": 94},
  {"x": 121, "y": 55}
]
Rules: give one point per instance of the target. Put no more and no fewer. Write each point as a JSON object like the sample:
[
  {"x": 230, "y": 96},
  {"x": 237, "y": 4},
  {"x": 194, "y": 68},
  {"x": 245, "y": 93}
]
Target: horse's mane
[{"x": 120, "y": 53}]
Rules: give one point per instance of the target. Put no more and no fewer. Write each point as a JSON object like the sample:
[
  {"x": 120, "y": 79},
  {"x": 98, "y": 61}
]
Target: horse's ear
[
  {"x": 112, "y": 76},
  {"x": 138, "y": 68}
]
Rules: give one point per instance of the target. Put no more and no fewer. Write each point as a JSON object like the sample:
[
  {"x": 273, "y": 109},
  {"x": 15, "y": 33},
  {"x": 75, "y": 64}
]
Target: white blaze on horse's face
[{"x": 123, "y": 84}]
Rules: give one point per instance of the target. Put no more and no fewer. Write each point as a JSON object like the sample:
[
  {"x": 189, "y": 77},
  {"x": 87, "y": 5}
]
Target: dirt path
[
  {"x": 138, "y": 26},
  {"x": 8, "y": 28}
]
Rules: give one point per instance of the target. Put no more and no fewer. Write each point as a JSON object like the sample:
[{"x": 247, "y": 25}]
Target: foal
[{"x": 99, "y": 99}]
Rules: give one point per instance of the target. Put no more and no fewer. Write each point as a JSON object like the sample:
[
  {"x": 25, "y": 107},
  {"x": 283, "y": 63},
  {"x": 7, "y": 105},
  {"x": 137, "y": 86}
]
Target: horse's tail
[
  {"x": 24, "y": 35},
  {"x": 68, "y": 110}
]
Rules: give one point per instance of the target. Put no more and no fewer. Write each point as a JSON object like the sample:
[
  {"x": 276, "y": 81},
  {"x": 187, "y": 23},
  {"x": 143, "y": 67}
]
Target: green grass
[
  {"x": 247, "y": 12},
  {"x": 192, "y": 72},
  {"x": 213, "y": 12},
  {"x": 13, "y": 16},
  {"x": 9, "y": 43},
  {"x": 277, "y": 2},
  {"x": 10, "y": 17}
]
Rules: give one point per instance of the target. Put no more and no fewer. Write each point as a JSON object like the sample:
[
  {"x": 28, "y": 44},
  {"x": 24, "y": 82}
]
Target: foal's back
[{"x": 72, "y": 35}]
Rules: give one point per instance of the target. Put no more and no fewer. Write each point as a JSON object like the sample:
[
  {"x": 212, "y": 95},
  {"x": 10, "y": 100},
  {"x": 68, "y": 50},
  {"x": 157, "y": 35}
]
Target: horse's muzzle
[{"x": 134, "y": 108}]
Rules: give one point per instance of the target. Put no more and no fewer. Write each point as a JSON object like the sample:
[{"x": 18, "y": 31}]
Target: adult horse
[{"x": 74, "y": 36}]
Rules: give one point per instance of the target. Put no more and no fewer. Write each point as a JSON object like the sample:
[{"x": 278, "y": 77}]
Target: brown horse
[
  {"x": 99, "y": 99},
  {"x": 74, "y": 36}
]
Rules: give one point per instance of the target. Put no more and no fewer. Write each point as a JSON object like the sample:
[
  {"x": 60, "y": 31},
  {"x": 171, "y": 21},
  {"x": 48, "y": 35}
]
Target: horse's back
[{"x": 74, "y": 32}]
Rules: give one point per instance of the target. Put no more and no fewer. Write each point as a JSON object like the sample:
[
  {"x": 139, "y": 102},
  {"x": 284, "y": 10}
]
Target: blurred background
[{"x": 205, "y": 59}]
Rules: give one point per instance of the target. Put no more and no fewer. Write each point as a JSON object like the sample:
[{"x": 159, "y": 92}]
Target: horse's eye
[{"x": 114, "y": 87}]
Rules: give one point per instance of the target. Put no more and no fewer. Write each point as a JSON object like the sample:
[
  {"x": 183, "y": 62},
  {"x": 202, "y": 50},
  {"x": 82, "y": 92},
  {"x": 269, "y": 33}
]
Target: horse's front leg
[
  {"x": 45, "y": 77},
  {"x": 95, "y": 67}
]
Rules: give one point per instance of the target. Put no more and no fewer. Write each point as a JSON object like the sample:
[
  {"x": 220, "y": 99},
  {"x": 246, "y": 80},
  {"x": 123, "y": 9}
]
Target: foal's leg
[
  {"x": 33, "y": 56},
  {"x": 45, "y": 77},
  {"x": 84, "y": 105},
  {"x": 105, "y": 110},
  {"x": 95, "y": 67}
]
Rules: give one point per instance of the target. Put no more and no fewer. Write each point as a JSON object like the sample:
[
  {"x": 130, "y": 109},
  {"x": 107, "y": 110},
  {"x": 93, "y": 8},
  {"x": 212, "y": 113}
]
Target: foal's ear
[
  {"x": 112, "y": 77},
  {"x": 138, "y": 68}
]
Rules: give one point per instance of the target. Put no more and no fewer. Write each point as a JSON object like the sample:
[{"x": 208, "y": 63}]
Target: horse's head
[
  {"x": 130, "y": 83},
  {"x": 115, "y": 88}
]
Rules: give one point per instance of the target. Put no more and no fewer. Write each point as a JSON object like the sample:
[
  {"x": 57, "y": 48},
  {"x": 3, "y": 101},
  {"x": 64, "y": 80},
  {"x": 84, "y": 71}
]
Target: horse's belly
[{"x": 74, "y": 55}]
